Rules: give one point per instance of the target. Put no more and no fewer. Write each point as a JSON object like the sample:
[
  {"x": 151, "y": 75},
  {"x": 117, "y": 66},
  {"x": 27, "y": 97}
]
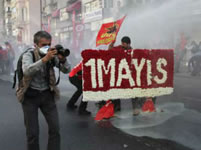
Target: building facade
[
  {"x": 2, "y": 20},
  {"x": 22, "y": 19}
]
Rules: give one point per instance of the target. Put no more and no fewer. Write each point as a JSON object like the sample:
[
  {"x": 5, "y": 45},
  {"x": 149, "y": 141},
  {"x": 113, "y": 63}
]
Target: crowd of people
[
  {"x": 194, "y": 62},
  {"x": 7, "y": 57}
]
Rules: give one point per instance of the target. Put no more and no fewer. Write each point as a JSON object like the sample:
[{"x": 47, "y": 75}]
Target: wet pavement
[{"x": 83, "y": 133}]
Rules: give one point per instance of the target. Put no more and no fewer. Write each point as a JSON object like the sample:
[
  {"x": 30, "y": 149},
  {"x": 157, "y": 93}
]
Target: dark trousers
[
  {"x": 44, "y": 101},
  {"x": 117, "y": 104},
  {"x": 78, "y": 84}
]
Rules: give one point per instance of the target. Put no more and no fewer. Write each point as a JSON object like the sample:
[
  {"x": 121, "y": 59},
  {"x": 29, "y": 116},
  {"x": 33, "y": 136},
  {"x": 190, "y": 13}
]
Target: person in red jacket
[
  {"x": 125, "y": 45},
  {"x": 3, "y": 60},
  {"x": 75, "y": 77}
]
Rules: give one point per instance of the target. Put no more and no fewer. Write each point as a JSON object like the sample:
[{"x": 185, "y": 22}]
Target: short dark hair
[
  {"x": 126, "y": 40},
  {"x": 41, "y": 34}
]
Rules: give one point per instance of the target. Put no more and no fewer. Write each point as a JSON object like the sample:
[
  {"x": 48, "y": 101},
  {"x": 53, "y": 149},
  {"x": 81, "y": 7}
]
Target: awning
[
  {"x": 74, "y": 6},
  {"x": 56, "y": 13}
]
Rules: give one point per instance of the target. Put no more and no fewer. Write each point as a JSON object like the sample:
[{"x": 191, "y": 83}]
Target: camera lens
[{"x": 66, "y": 52}]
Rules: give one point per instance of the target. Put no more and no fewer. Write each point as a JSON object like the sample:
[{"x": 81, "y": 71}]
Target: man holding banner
[
  {"x": 125, "y": 73},
  {"x": 136, "y": 102}
]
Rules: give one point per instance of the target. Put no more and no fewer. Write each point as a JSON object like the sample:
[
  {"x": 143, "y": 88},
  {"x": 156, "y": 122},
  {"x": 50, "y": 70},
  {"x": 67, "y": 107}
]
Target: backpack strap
[
  {"x": 14, "y": 79},
  {"x": 34, "y": 58},
  {"x": 15, "y": 75},
  {"x": 58, "y": 80}
]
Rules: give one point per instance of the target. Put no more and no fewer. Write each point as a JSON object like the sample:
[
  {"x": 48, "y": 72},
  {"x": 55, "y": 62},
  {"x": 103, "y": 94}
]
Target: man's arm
[
  {"x": 65, "y": 67},
  {"x": 111, "y": 45},
  {"x": 28, "y": 66}
]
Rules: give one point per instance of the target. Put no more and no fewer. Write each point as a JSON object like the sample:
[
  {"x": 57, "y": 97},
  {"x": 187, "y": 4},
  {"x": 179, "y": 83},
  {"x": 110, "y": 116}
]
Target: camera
[{"x": 62, "y": 51}]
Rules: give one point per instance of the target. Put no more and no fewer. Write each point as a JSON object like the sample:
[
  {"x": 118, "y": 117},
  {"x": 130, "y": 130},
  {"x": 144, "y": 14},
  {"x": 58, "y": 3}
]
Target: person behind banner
[
  {"x": 75, "y": 77},
  {"x": 11, "y": 57},
  {"x": 137, "y": 103},
  {"x": 125, "y": 45}
]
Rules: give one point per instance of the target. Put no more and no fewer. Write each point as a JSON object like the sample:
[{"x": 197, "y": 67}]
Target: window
[
  {"x": 53, "y": 23},
  {"x": 94, "y": 5},
  {"x": 91, "y": 6},
  {"x": 108, "y": 3},
  {"x": 118, "y": 4},
  {"x": 8, "y": 9},
  {"x": 64, "y": 36},
  {"x": 63, "y": 14},
  {"x": 24, "y": 14},
  {"x": 87, "y": 7}
]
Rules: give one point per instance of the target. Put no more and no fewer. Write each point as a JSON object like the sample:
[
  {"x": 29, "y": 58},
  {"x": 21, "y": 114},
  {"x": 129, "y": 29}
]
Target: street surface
[{"x": 176, "y": 128}]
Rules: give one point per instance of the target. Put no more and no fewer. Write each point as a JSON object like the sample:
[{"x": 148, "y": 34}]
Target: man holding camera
[{"x": 38, "y": 89}]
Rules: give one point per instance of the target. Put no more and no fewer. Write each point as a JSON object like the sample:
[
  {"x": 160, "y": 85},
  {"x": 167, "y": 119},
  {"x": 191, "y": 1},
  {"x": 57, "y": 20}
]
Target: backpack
[{"x": 19, "y": 72}]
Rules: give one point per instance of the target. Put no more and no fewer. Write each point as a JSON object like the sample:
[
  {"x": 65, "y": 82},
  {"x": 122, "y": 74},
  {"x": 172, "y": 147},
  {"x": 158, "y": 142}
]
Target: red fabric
[
  {"x": 75, "y": 70},
  {"x": 118, "y": 47},
  {"x": 4, "y": 54},
  {"x": 108, "y": 32},
  {"x": 148, "y": 106},
  {"x": 106, "y": 112}
]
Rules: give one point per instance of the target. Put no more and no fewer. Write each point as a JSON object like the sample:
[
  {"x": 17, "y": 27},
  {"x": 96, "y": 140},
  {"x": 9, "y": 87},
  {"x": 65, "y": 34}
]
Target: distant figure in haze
[
  {"x": 11, "y": 57},
  {"x": 194, "y": 64}
]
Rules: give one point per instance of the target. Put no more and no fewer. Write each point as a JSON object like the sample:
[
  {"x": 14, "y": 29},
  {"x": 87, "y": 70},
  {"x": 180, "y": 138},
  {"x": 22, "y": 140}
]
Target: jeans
[{"x": 35, "y": 100}]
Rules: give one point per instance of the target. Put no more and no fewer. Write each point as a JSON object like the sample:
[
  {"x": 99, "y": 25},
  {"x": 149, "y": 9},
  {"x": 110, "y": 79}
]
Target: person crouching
[{"x": 75, "y": 77}]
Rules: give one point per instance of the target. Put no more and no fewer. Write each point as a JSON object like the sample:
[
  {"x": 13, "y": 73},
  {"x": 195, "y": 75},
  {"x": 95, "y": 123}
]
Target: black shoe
[
  {"x": 84, "y": 112},
  {"x": 118, "y": 108},
  {"x": 72, "y": 107}
]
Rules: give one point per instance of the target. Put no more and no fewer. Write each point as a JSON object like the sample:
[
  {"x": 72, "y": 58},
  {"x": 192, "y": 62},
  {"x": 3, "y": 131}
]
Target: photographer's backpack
[{"x": 19, "y": 72}]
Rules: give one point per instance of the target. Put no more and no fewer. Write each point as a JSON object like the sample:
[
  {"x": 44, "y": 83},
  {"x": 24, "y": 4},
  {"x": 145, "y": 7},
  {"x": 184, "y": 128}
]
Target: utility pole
[{"x": 41, "y": 15}]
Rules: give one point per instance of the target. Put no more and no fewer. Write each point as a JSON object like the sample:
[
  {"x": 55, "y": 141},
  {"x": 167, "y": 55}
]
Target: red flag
[
  {"x": 106, "y": 112},
  {"x": 108, "y": 32},
  {"x": 148, "y": 106}
]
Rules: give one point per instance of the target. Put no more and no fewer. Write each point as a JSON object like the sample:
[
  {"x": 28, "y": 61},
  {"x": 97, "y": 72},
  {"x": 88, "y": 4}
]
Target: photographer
[{"x": 38, "y": 89}]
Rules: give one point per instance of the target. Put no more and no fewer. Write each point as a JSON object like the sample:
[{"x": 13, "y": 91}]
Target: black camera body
[{"x": 62, "y": 51}]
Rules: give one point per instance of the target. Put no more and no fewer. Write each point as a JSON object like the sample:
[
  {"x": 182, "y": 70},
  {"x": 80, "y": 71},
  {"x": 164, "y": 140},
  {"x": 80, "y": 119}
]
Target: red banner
[
  {"x": 126, "y": 74},
  {"x": 108, "y": 32}
]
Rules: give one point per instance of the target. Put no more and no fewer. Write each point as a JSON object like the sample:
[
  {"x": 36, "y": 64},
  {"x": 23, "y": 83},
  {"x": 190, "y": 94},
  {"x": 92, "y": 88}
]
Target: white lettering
[
  {"x": 110, "y": 67},
  {"x": 92, "y": 63},
  {"x": 124, "y": 65},
  {"x": 138, "y": 69},
  {"x": 149, "y": 73},
  {"x": 160, "y": 62}
]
